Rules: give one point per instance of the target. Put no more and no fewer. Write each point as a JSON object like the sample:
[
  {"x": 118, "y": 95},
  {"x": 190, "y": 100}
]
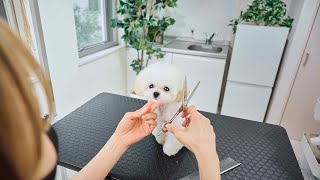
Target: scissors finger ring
[{"x": 164, "y": 128}]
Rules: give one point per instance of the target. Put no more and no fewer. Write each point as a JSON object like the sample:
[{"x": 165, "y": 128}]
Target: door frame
[{"x": 285, "y": 79}]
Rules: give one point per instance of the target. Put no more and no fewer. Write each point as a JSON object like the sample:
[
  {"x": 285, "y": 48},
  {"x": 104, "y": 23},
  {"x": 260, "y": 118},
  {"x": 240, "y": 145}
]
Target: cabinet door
[
  {"x": 256, "y": 54},
  {"x": 245, "y": 101},
  {"x": 209, "y": 71}
]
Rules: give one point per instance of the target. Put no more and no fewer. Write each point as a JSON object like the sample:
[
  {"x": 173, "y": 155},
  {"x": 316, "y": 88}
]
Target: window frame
[
  {"x": 3, "y": 13},
  {"x": 109, "y": 12}
]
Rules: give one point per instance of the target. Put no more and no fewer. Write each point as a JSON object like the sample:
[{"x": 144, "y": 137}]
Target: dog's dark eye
[
  {"x": 151, "y": 86},
  {"x": 166, "y": 89}
]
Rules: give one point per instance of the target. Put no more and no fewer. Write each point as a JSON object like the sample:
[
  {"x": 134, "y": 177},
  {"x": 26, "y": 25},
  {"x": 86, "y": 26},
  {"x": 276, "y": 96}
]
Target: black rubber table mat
[{"x": 263, "y": 149}]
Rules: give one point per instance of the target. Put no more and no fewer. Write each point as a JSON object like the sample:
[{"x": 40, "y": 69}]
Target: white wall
[
  {"x": 304, "y": 12},
  {"x": 295, "y": 12},
  {"x": 74, "y": 85},
  {"x": 207, "y": 16}
]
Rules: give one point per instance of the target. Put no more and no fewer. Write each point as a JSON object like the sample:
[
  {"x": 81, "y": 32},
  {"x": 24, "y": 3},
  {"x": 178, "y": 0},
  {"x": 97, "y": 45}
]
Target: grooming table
[{"x": 263, "y": 149}]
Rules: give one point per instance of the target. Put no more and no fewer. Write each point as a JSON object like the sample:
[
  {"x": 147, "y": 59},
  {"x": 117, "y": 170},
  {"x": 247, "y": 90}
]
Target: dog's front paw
[
  {"x": 171, "y": 150},
  {"x": 160, "y": 139}
]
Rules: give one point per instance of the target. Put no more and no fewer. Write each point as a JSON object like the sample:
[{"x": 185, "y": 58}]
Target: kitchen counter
[{"x": 180, "y": 45}]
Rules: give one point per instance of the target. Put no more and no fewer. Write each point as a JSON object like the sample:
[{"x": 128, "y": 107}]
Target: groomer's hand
[
  {"x": 134, "y": 126},
  {"x": 199, "y": 136}
]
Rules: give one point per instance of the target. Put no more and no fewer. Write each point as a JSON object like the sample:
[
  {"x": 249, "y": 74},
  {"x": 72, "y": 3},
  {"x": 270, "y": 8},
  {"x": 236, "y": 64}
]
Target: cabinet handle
[{"x": 306, "y": 60}]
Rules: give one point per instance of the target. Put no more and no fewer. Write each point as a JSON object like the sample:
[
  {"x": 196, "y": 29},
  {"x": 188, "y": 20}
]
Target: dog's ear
[{"x": 179, "y": 96}]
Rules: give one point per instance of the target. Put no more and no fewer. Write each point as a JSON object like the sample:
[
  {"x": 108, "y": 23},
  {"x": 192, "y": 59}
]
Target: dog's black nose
[{"x": 156, "y": 94}]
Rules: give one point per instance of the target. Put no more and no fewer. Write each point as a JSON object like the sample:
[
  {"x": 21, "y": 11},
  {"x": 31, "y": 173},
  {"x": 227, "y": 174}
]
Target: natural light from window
[
  {"x": 89, "y": 22},
  {"x": 92, "y": 19}
]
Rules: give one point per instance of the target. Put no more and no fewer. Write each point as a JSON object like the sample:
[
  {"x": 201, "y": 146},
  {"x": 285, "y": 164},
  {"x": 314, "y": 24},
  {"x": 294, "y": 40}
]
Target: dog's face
[
  {"x": 160, "y": 82},
  {"x": 164, "y": 92}
]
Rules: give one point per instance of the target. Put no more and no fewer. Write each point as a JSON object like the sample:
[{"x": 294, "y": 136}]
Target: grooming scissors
[{"x": 183, "y": 107}]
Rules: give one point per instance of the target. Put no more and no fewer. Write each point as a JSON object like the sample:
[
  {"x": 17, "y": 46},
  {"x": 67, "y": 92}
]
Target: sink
[
  {"x": 193, "y": 48},
  {"x": 205, "y": 48}
]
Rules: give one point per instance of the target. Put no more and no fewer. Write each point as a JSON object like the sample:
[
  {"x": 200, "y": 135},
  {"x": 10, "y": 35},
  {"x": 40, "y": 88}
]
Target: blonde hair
[{"x": 20, "y": 122}]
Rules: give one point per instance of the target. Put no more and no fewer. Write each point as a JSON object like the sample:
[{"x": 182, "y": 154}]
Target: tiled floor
[{"x": 302, "y": 161}]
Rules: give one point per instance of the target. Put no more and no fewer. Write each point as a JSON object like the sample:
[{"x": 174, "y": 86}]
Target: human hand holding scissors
[{"x": 183, "y": 107}]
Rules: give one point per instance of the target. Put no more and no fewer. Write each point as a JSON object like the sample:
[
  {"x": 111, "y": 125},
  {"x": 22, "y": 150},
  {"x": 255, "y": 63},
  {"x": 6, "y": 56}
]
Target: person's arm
[
  {"x": 199, "y": 138},
  {"x": 103, "y": 162},
  {"x": 208, "y": 164},
  {"x": 133, "y": 127}
]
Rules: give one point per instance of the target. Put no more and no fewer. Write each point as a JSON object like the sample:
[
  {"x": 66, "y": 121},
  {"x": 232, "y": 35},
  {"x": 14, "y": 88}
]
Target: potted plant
[
  {"x": 265, "y": 13},
  {"x": 142, "y": 26}
]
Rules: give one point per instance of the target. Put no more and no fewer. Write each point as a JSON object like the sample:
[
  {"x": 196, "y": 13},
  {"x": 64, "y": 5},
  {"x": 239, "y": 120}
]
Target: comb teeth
[{"x": 225, "y": 165}]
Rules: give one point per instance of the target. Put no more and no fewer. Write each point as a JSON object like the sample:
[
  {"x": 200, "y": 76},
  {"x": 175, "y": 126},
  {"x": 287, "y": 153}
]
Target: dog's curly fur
[{"x": 163, "y": 83}]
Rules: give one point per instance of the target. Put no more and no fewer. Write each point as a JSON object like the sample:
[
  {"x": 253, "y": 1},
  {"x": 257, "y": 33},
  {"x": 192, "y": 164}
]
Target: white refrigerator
[{"x": 254, "y": 64}]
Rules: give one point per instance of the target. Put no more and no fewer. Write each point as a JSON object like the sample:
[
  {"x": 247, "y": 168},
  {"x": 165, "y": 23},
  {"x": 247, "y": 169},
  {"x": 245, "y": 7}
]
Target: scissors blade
[
  {"x": 185, "y": 91},
  {"x": 192, "y": 93},
  {"x": 185, "y": 97}
]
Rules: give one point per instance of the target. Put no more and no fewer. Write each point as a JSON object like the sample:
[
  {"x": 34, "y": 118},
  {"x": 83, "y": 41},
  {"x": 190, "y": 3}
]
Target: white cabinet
[
  {"x": 255, "y": 60},
  {"x": 256, "y": 54},
  {"x": 245, "y": 101},
  {"x": 209, "y": 71}
]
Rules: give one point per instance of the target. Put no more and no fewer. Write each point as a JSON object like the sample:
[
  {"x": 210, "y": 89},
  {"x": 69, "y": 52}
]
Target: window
[{"x": 92, "y": 20}]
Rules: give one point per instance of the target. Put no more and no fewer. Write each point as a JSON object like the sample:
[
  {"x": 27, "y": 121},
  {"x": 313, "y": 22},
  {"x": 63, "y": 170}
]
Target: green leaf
[
  {"x": 272, "y": 12},
  {"x": 142, "y": 28},
  {"x": 122, "y": 3}
]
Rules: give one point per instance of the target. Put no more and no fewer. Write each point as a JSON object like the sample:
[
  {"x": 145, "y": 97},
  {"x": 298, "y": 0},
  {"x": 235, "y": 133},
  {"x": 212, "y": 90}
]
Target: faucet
[{"x": 209, "y": 41}]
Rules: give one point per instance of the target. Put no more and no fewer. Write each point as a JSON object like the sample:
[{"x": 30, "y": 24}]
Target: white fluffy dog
[{"x": 163, "y": 83}]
